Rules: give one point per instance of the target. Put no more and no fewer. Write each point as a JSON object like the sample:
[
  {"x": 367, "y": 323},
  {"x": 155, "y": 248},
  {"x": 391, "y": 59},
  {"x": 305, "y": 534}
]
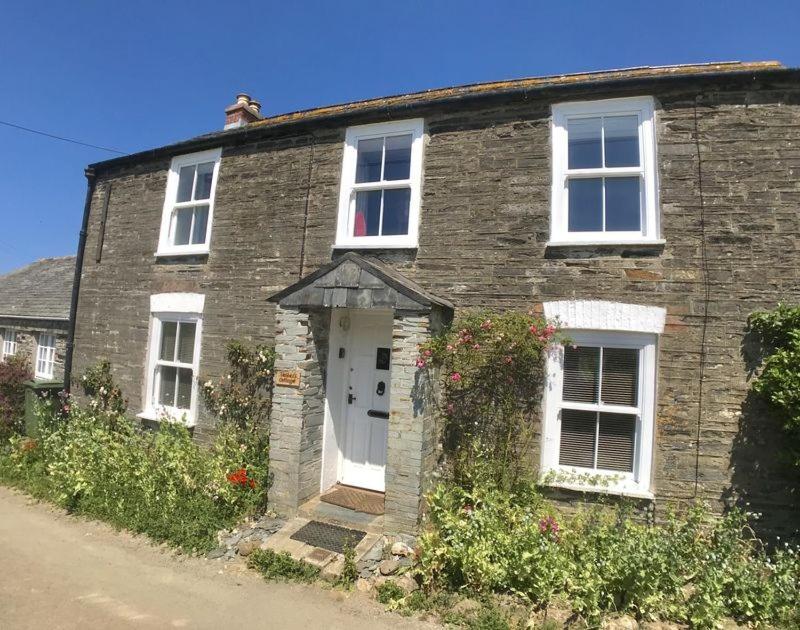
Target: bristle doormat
[
  {"x": 327, "y": 536},
  {"x": 357, "y": 499}
]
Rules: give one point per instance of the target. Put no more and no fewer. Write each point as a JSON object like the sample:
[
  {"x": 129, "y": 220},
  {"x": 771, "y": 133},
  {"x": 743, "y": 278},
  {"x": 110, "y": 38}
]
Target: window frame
[
  {"x": 636, "y": 483},
  {"x": 348, "y": 185},
  {"x": 8, "y": 339},
  {"x": 45, "y": 354},
  {"x": 644, "y": 108},
  {"x": 172, "y": 307},
  {"x": 165, "y": 246}
]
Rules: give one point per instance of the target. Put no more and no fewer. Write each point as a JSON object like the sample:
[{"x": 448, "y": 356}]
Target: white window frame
[
  {"x": 165, "y": 246},
  {"x": 172, "y": 307},
  {"x": 644, "y": 109},
  {"x": 45, "y": 356},
  {"x": 347, "y": 197},
  {"x": 610, "y": 325},
  {"x": 9, "y": 345}
]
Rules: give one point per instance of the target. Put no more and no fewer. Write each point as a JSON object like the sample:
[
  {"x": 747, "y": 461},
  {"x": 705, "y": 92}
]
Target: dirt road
[{"x": 58, "y": 571}]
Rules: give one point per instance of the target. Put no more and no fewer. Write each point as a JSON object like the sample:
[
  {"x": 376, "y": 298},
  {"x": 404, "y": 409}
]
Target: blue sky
[{"x": 134, "y": 75}]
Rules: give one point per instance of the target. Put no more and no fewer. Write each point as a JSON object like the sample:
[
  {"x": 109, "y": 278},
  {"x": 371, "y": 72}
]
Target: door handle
[{"x": 350, "y": 399}]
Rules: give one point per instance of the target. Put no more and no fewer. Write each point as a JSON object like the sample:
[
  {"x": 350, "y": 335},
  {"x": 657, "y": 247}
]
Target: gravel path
[{"x": 57, "y": 571}]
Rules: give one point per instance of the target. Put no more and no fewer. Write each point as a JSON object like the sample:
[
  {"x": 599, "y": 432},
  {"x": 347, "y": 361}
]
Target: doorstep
[{"x": 330, "y": 563}]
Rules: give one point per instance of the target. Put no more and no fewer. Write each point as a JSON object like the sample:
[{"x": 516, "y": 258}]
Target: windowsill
[
  {"x": 180, "y": 252},
  {"x": 155, "y": 416},
  {"x": 601, "y": 243},
  {"x": 358, "y": 246},
  {"x": 614, "y": 490}
]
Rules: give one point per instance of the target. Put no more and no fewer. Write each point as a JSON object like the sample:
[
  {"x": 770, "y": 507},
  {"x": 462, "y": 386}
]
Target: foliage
[
  {"x": 281, "y": 566},
  {"x": 242, "y": 398},
  {"x": 490, "y": 370},
  {"x": 488, "y": 619},
  {"x": 164, "y": 484},
  {"x": 14, "y": 371},
  {"x": 349, "y": 573},
  {"x": 779, "y": 380},
  {"x": 98, "y": 384},
  {"x": 389, "y": 592},
  {"x": 695, "y": 569}
]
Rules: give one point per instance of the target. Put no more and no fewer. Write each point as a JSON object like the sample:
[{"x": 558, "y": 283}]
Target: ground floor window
[
  {"x": 599, "y": 413},
  {"x": 8, "y": 336},
  {"x": 45, "y": 356},
  {"x": 174, "y": 351}
]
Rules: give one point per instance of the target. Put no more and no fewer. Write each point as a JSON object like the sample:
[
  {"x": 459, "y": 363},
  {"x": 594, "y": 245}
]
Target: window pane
[
  {"x": 370, "y": 155},
  {"x": 581, "y": 374},
  {"x": 620, "y": 376},
  {"x": 185, "y": 182},
  {"x": 200, "y": 225},
  {"x": 586, "y": 205},
  {"x": 578, "y": 429},
  {"x": 169, "y": 331},
  {"x": 205, "y": 172},
  {"x": 621, "y": 135},
  {"x": 584, "y": 143},
  {"x": 623, "y": 204},
  {"x": 183, "y": 226},
  {"x": 368, "y": 213},
  {"x": 166, "y": 394},
  {"x": 184, "y": 388},
  {"x": 398, "y": 157},
  {"x": 395, "y": 211},
  {"x": 617, "y": 437},
  {"x": 186, "y": 342}
]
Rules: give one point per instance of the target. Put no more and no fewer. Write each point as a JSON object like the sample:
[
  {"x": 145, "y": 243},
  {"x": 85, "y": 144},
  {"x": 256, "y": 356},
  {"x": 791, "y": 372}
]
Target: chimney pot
[{"x": 243, "y": 112}]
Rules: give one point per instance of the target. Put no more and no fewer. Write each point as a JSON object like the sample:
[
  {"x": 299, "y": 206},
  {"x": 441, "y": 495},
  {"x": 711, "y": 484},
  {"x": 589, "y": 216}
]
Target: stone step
[{"x": 330, "y": 563}]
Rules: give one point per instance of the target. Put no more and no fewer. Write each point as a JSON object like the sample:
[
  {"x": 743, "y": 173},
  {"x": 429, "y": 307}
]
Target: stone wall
[
  {"x": 298, "y": 413},
  {"x": 729, "y": 198}
]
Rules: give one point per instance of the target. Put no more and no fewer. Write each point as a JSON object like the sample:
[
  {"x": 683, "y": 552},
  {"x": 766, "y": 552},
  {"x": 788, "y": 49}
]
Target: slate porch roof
[
  {"x": 41, "y": 290},
  {"x": 356, "y": 281}
]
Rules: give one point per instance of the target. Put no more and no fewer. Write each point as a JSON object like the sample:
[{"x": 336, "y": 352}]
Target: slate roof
[
  {"x": 42, "y": 290},
  {"x": 406, "y": 104}
]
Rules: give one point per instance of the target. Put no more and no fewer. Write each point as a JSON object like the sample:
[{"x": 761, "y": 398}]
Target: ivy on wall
[{"x": 779, "y": 379}]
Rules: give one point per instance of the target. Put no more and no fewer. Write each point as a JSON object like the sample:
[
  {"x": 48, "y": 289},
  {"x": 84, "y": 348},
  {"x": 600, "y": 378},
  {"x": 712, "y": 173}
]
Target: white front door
[{"x": 366, "y": 416}]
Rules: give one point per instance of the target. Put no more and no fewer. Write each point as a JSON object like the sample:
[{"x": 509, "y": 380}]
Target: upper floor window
[
  {"x": 45, "y": 356},
  {"x": 381, "y": 185},
  {"x": 9, "y": 343},
  {"x": 189, "y": 204},
  {"x": 604, "y": 172}
]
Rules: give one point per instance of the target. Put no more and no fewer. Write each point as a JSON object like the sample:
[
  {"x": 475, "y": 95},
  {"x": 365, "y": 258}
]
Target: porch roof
[{"x": 355, "y": 281}]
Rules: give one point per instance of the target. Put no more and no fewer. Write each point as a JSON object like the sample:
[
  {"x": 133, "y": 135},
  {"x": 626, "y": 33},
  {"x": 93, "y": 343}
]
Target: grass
[{"x": 281, "y": 566}]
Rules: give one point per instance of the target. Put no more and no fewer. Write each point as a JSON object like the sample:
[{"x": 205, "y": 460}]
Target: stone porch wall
[{"x": 298, "y": 414}]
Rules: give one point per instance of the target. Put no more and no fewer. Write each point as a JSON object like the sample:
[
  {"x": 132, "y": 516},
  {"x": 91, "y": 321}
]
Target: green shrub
[
  {"x": 281, "y": 566},
  {"x": 162, "y": 484},
  {"x": 349, "y": 573},
  {"x": 389, "y": 593},
  {"x": 488, "y": 619},
  {"x": 779, "y": 380},
  {"x": 14, "y": 371},
  {"x": 695, "y": 569},
  {"x": 489, "y": 372}
]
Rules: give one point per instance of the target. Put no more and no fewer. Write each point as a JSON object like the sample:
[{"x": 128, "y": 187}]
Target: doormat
[
  {"x": 327, "y": 536},
  {"x": 357, "y": 499}
]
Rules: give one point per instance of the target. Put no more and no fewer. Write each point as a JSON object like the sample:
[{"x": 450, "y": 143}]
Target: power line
[{"x": 50, "y": 135}]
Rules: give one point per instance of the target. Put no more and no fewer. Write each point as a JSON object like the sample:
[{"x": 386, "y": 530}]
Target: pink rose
[
  {"x": 421, "y": 363},
  {"x": 455, "y": 377}
]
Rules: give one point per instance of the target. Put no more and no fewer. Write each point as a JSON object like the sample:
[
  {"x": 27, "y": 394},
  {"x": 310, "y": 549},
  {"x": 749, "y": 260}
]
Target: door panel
[{"x": 368, "y": 393}]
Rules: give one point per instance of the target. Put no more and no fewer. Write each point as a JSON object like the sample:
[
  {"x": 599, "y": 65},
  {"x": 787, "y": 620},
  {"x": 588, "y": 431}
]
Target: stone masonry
[{"x": 728, "y": 154}]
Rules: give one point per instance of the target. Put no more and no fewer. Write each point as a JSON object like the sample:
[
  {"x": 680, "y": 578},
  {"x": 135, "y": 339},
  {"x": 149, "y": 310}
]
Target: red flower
[{"x": 240, "y": 478}]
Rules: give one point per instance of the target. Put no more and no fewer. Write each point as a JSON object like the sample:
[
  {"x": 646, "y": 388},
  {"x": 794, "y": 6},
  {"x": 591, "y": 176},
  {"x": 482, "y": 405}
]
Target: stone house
[
  {"x": 34, "y": 314},
  {"x": 650, "y": 210}
]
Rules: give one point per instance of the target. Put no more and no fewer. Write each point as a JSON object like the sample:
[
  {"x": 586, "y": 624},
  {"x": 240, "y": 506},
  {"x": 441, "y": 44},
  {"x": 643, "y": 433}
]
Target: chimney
[{"x": 242, "y": 112}]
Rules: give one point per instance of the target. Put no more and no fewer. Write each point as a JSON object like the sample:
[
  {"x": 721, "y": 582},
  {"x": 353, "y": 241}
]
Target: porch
[{"x": 350, "y": 408}]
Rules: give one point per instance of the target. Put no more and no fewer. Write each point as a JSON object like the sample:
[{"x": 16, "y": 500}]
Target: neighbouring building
[
  {"x": 34, "y": 314},
  {"x": 650, "y": 210}
]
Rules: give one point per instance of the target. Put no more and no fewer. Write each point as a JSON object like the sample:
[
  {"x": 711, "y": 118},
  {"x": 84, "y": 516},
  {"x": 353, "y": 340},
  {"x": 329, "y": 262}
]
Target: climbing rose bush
[
  {"x": 488, "y": 374},
  {"x": 14, "y": 371}
]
